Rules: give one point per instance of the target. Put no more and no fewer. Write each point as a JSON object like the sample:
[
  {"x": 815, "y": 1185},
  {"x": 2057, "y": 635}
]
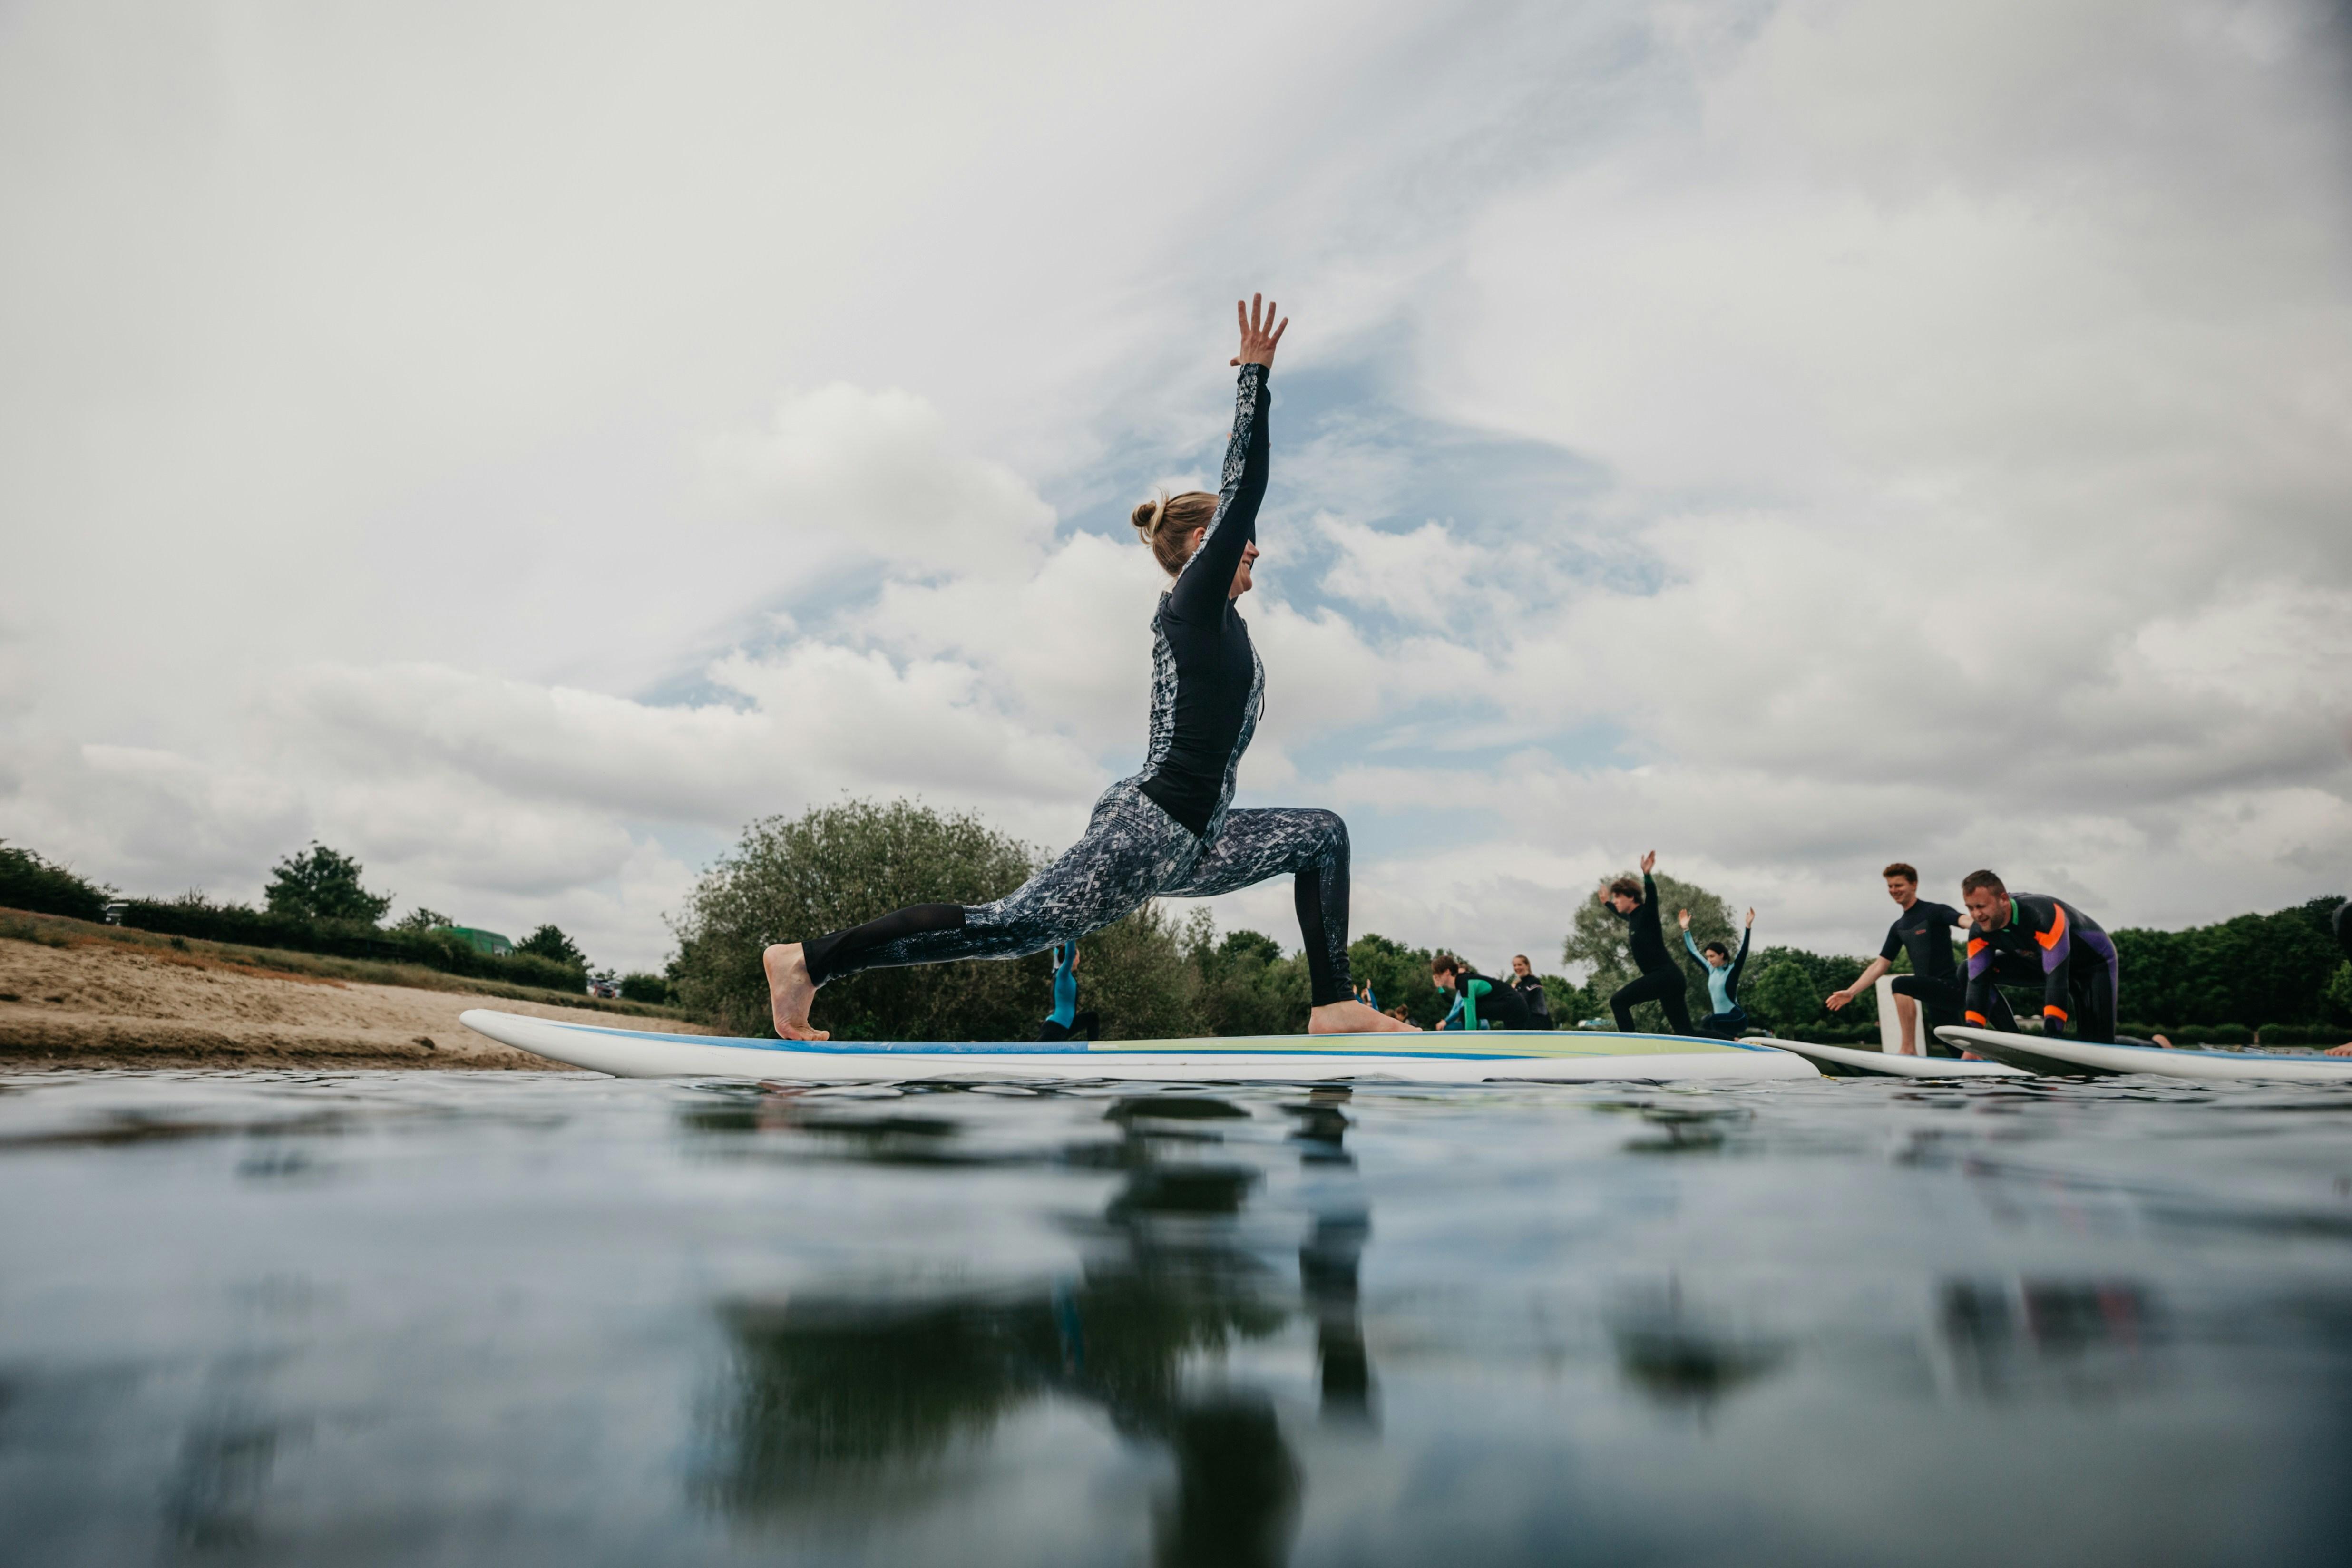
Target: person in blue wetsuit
[
  {"x": 1478, "y": 1002},
  {"x": 1662, "y": 979},
  {"x": 1065, "y": 1023},
  {"x": 2030, "y": 938},
  {"x": 1170, "y": 830},
  {"x": 1722, "y": 967}
]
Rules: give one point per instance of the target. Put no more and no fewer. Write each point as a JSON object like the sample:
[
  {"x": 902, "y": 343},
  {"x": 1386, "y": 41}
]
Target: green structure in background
[{"x": 490, "y": 942}]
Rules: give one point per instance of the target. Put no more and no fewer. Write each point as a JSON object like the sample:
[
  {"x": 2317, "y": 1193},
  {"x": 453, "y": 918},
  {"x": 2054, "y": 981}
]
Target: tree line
[{"x": 1154, "y": 975}]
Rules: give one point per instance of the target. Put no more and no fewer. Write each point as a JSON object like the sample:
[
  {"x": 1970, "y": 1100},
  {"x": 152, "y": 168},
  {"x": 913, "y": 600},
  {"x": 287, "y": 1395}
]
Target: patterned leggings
[{"x": 1132, "y": 851}]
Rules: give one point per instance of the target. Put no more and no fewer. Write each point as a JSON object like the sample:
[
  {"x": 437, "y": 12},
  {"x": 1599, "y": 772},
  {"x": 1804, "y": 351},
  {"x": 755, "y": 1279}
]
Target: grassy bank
[{"x": 58, "y": 931}]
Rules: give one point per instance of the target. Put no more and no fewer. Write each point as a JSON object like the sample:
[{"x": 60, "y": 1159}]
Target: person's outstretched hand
[
  {"x": 1837, "y": 1000},
  {"x": 1681, "y": 918},
  {"x": 1259, "y": 334},
  {"x": 1649, "y": 860},
  {"x": 1751, "y": 917}
]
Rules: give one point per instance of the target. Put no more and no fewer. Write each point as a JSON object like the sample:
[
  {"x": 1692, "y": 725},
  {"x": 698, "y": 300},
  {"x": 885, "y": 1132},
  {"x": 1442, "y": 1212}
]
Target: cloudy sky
[{"x": 521, "y": 444}]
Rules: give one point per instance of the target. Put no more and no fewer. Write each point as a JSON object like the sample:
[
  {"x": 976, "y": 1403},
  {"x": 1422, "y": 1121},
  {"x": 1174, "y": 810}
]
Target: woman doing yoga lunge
[{"x": 1169, "y": 831}]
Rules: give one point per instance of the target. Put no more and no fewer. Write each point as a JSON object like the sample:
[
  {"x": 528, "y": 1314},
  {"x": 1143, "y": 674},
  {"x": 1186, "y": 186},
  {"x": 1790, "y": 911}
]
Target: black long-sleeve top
[
  {"x": 1645, "y": 937},
  {"x": 1207, "y": 685}
]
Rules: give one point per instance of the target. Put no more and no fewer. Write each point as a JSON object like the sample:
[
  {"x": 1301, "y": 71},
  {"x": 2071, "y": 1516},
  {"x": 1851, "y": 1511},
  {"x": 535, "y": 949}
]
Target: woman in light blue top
[
  {"x": 1721, "y": 966},
  {"x": 1065, "y": 1023}
]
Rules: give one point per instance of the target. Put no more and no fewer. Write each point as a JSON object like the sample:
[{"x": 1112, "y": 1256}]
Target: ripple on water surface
[{"x": 513, "y": 1318}]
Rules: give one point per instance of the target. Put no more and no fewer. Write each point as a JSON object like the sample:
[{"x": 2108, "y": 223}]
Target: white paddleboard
[
  {"x": 2075, "y": 1058},
  {"x": 1565, "y": 1056},
  {"x": 1844, "y": 1061}
]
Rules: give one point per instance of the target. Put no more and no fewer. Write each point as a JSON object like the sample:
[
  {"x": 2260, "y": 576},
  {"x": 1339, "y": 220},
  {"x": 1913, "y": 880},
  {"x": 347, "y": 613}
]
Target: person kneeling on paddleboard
[
  {"x": 1662, "y": 979},
  {"x": 1478, "y": 1002},
  {"x": 1729, "y": 1020},
  {"x": 1169, "y": 831},
  {"x": 1929, "y": 995},
  {"x": 1065, "y": 1023},
  {"x": 2026, "y": 937}
]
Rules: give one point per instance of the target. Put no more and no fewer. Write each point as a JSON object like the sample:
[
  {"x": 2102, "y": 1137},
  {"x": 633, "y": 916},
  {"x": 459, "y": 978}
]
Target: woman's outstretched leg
[
  {"x": 1131, "y": 851},
  {"x": 1313, "y": 847}
]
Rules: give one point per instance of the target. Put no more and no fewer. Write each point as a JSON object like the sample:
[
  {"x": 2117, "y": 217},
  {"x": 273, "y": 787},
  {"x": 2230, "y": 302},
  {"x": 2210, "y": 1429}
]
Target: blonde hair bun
[
  {"x": 1167, "y": 522},
  {"x": 1147, "y": 514}
]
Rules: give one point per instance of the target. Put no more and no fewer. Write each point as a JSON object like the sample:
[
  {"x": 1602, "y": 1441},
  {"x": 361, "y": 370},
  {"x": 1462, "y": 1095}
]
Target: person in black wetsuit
[
  {"x": 1662, "y": 979},
  {"x": 2030, "y": 938},
  {"x": 1169, "y": 831},
  {"x": 1530, "y": 986},
  {"x": 1481, "y": 1002},
  {"x": 1928, "y": 997}
]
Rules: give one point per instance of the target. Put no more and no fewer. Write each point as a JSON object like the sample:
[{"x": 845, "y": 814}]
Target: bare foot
[
  {"x": 1353, "y": 1017},
  {"x": 790, "y": 992}
]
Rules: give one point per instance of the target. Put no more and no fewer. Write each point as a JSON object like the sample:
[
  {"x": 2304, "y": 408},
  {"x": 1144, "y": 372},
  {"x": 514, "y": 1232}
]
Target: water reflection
[
  {"x": 1680, "y": 1355},
  {"x": 2076, "y": 1339},
  {"x": 840, "y": 1393}
]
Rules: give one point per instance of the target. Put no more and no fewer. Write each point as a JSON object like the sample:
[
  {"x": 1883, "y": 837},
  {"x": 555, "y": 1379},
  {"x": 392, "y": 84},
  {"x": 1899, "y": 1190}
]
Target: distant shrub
[
  {"x": 28, "y": 881},
  {"x": 434, "y": 949},
  {"x": 642, "y": 987}
]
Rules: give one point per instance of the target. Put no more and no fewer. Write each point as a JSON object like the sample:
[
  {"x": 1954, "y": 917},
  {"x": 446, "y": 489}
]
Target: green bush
[
  {"x": 435, "y": 949},
  {"x": 642, "y": 987},
  {"x": 28, "y": 881}
]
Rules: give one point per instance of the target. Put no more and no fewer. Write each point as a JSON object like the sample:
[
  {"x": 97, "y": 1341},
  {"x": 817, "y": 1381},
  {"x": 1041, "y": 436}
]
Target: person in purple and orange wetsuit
[{"x": 2028, "y": 937}]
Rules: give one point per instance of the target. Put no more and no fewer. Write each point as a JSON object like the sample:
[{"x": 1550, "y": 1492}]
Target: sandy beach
[{"x": 100, "y": 1004}]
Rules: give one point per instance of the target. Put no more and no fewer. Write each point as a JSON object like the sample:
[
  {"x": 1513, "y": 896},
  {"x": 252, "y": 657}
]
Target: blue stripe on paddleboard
[
  {"x": 1062, "y": 1048},
  {"x": 2038, "y": 1043}
]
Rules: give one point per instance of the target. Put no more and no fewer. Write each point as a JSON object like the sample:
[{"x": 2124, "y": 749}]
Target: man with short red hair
[{"x": 2028, "y": 937}]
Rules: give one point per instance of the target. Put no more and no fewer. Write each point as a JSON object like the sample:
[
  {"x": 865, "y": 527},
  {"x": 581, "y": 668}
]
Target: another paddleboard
[
  {"x": 1459, "y": 1056},
  {"x": 1844, "y": 1061},
  {"x": 2066, "y": 1058}
]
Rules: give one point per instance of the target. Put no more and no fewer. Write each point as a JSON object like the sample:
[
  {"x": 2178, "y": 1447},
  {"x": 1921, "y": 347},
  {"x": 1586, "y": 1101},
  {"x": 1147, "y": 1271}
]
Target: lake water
[{"x": 425, "y": 1318}]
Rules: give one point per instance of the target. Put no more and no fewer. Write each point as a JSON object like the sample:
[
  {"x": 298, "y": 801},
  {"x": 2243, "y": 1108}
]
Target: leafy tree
[
  {"x": 1786, "y": 986},
  {"x": 549, "y": 942},
  {"x": 1599, "y": 942},
  {"x": 1571, "y": 1004},
  {"x": 1247, "y": 986},
  {"x": 839, "y": 865},
  {"x": 835, "y": 866},
  {"x": 2251, "y": 970},
  {"x": 1137, "y": 975},
  {"x": 28, "y": 881},
  {"x": 1783, "y": 996},
  {"x": 2340, "y": 993},
  {"x": 422, "y": 919},
  {"x": 321, "y": 883}
]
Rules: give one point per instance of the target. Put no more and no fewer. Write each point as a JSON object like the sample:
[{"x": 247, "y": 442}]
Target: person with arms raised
[
  {"x": 1661, "y": 980},
  {"x": 1169, "y": 831},
  {"x": 1729, "y": 1020}
]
